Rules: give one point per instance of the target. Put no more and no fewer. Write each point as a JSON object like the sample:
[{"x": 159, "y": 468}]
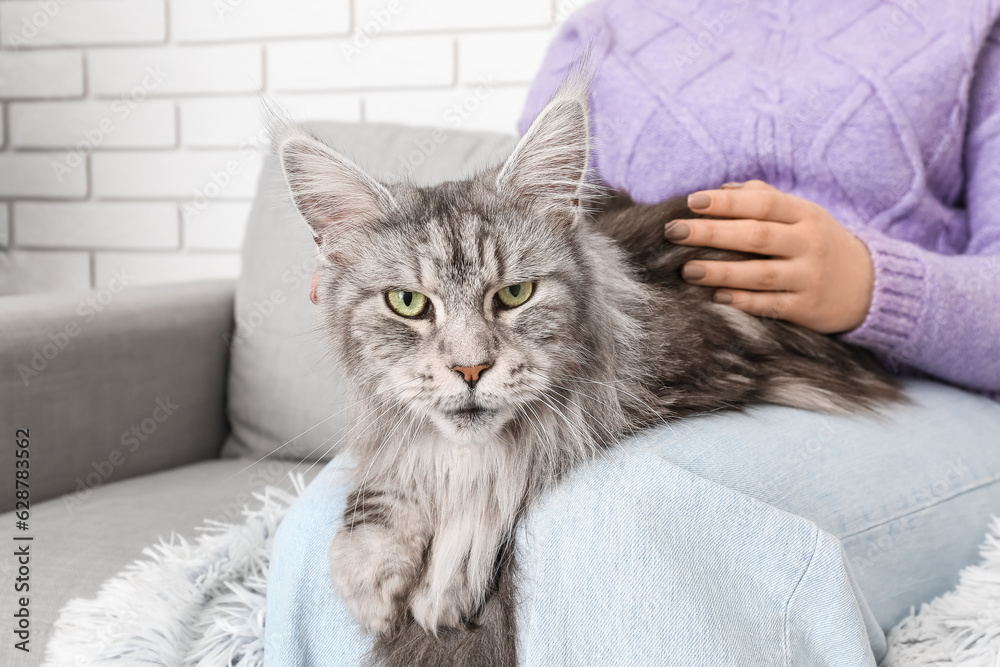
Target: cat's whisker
[
  {"x": 657, "y": 414},
  {"x": 595, "y": 445},
  {"x": 350, "y": 405},
  {"x": 543, "y": 436},
  {"x": 358, "y": 421},
  {"x": 604, "y": 447},
  {"x": 364, "y": 480},
  {"x": 581, "y": 435},
  {"x": 361, "y": 486},
  {"x": 413, "y": 434},
  {"x": 615, "y": 408}
]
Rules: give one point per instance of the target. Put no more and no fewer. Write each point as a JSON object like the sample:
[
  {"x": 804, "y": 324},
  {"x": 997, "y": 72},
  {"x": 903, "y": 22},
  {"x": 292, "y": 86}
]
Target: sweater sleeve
[{"x": 941, "y": 314}]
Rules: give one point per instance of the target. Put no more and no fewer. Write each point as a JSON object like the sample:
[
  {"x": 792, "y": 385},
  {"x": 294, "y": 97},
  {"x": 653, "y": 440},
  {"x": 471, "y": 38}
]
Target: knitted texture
[{"x": 885, "y": 113}]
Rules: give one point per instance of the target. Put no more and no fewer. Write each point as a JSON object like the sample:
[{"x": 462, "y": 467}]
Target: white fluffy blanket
[
  {"x": 202, "y": 603},
  {"x": 959, "y": 628},
  {"x": 187, "y": 604}
]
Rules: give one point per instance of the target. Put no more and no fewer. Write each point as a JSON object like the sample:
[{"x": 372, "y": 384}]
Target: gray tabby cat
[{"x": 499, "y": 331}]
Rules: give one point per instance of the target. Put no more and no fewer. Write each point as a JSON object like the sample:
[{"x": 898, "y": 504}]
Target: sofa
[{"x": 147, "y": 409}]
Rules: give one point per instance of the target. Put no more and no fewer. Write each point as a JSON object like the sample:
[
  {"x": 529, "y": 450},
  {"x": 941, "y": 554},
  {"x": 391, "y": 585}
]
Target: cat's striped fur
[{"x": 611, "y": 341}]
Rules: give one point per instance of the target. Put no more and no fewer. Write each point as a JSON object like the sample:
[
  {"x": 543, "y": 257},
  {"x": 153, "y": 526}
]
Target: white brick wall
[
  {"x": 96, "y": 224},
  {"x": 82, "y": 22},
  {"x": 64, "y": 124},
  {"x": 130, "y": 128}
]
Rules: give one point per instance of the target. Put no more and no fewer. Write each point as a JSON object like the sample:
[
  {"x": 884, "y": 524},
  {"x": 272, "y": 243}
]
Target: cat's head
[{"x": 465, "y": 302}]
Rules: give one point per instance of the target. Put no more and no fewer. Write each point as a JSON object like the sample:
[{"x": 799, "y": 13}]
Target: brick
[
  {"x": 189, "y": 176},
  {"x": 450, "y": 15},
  {"x": 503, "y": 57},
  {"x": 40, "y": 74},
  {"x": 238, "y": 121},
  {"x": 465, "y": 108},
  {"x": 23, "y": 271},
  {"x": 338, "y": 64},
  {"x": 175, "y": 70},
  {"x": 99, "y": 124},
  {"x": 220, "y": 122},
  {"x": 161, "y": 267},
  {"x": 200, "y": 20},
  {"x": 4, "y": 226},
  {"x": 96, "y": 225},
  {"x": 80, "y": 22},
  {"x": 39, "y": 174},
  {"x": 319, "y": 106},
  {"x": 220, "y": 226}
]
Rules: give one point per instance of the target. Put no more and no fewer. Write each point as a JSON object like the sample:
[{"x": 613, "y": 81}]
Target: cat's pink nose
[{"x": 471, "y": 373}]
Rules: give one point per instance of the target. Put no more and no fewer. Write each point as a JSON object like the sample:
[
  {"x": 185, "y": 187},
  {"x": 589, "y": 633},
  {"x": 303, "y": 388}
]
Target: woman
[{"x": 860, "y": 147}]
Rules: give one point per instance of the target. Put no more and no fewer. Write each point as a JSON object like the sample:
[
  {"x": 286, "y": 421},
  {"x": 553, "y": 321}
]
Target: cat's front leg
[
  {"x": 377, "y": 556},
  {"x": 460, "y": 572}
]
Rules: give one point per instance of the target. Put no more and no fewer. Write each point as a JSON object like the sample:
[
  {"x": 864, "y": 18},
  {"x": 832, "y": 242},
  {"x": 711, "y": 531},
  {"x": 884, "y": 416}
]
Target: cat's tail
[{"x": 491, "y": 641}]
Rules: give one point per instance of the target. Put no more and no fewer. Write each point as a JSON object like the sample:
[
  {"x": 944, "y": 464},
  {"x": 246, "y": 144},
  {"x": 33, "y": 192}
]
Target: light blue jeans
[{"x": 774, "y": 537}]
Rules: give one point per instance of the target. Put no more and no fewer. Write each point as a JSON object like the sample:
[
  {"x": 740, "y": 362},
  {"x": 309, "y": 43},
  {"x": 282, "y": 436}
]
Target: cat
[{"x": 498, "y": 331}]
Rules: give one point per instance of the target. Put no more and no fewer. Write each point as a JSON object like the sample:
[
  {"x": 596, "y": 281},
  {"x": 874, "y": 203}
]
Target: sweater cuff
[{"x": 892, "y": 326}]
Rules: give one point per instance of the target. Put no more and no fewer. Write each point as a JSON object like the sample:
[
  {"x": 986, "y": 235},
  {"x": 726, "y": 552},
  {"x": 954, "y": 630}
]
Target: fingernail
[
  {"x": 732, "y": 185},
  {"x": 699, "y": 200},
  {"x": 693, "y": 272},
  {"x": 676, "y": 231},
  {"x": 722, "y": 297}
]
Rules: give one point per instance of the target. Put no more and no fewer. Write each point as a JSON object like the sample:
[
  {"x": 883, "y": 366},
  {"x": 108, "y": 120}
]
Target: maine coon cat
[{"x": 498, "y": 331}]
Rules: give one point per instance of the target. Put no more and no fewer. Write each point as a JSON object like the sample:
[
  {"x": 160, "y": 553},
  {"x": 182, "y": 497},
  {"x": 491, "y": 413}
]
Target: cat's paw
[
  {"x": 372, "y": 572},
  {"x": 443, "y": 604}
]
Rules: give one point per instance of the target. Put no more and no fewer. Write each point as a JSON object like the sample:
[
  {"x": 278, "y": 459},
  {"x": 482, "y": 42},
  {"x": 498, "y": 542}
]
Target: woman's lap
[
  {"x": 711, "y": 540},
  {"x": 908, "y": 494}
]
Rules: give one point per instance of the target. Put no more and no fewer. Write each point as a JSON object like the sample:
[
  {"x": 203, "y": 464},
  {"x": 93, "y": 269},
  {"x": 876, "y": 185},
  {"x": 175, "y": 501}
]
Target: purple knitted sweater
[{"x": 885, "y": 113}]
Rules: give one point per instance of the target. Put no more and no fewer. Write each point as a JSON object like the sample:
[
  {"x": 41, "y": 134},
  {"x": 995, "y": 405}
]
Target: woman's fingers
[
  {"x": 763, "y": 238},
  {"x": 776, "y": 305},
  {"x": 750, "y": 201},
  {"x": 752, "y": 274}
]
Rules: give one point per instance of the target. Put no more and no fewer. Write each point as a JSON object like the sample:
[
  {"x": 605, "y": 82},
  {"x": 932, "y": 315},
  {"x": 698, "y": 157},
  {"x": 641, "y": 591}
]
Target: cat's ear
[
  {"x": 549, "y": 164},
  {"x": 328, "y": 189}
]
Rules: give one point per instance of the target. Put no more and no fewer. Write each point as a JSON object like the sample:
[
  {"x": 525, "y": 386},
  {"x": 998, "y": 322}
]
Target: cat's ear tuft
[
  {"x": 549, "y": 164},
  {"x": 328, "y": 189}
]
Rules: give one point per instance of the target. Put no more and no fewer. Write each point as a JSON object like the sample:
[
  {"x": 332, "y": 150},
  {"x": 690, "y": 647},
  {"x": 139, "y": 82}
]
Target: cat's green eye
[
  {"x": 513, "y": 296},
  {"x": 407, "y": 304}
]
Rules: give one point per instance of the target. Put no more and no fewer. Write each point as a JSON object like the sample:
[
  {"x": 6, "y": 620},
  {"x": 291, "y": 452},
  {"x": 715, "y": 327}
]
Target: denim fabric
[{"x": 774, "y": 537}]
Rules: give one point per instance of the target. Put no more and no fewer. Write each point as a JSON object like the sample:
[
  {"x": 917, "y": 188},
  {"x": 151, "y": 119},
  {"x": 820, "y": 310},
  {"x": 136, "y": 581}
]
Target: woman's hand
[{"x": 817, "y": 274}]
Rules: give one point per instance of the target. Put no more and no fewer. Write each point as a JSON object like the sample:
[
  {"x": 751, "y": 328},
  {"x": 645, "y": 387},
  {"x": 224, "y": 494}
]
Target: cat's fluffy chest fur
[{"x": 497, "y": 332}]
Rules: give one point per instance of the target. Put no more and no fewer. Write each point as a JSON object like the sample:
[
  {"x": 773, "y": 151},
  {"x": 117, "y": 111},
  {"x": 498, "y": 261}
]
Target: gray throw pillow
[{"x": 286, "y": 397}]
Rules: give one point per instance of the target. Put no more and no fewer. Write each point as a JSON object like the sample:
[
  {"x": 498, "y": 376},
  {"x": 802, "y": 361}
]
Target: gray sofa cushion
[
  {"x": 123, "y": 381},
  {"x": 282, "y": 382},
  {"x": 80, "y": 544}
]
